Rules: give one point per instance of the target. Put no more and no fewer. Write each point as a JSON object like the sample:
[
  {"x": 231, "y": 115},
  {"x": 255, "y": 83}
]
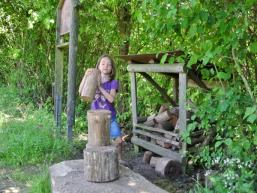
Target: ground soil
[
  {"x": 172, "y": 184},
  {"x": 132, "y": 160}
]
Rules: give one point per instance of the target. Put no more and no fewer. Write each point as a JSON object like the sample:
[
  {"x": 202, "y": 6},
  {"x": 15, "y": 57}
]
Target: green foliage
[
  {"x": 233, "y": 151},
  {"x": 219, "y": 32},
  {"x": 42, "y": 183},
  {"x": 27, "y": 134}
]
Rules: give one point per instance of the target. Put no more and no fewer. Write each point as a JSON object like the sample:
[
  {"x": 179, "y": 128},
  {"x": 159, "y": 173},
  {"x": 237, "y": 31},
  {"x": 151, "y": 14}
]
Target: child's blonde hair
[{"x": 113, "y": 72}]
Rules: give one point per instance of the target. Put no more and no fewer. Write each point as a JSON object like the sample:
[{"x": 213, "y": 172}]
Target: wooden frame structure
[
  {"x": 67, "y": 23},
  {"x": 150, "y": 63}
]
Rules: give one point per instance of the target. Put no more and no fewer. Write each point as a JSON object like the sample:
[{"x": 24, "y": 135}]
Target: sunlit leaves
[{"x": 253, "y": 47}]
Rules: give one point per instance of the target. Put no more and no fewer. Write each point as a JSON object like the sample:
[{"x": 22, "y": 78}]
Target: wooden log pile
[{"x": 166, "y": 130}]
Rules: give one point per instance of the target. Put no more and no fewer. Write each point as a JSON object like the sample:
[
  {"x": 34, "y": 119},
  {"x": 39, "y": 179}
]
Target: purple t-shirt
[{"x": 100, "y": 102}]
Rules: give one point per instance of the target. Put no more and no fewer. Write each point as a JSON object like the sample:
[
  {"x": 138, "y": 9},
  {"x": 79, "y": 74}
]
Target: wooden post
[
  {"x": 58, "y": 76},
  {"x": 182, "y": 113},
  {"x": 175, "y": 89},
  {"x": 133, "y": 83},
  {"x": 72, "y": 68}
]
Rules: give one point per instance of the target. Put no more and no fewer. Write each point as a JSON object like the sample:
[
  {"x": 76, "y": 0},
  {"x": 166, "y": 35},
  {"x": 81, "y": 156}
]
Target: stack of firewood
[{"x": 167, "y": 135}]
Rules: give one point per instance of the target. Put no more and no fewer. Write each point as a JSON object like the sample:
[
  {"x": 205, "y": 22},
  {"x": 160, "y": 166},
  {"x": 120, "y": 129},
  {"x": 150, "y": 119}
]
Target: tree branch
[
  {"x": 159, "y": 88},
  {"x": 239, "y": 71}
]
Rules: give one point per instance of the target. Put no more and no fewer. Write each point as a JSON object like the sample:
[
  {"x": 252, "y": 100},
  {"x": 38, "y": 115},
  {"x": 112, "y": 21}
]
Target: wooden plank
[
  {"x": 58, "y": 88},
  {"x": 146, "y": 58},
  {"x": 66, "y": 17},
  {"x": 58, "y": 75},
  {"x": 157, "y": 149},
  {"x": 160, "y": 138},
  {"x": 142, "y": 126},
  {"x": 182, "y": 107},
  {"x": 134, "y": 97},
  {"x": 175, "y": 89},
  {"x": 171, "y": 68},
  {"x": 62, "y": 45},
  {"x": 72, "y": 69}
]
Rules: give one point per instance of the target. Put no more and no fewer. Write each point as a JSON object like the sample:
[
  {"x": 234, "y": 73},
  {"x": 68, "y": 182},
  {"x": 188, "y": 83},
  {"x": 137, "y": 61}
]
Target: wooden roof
[{"x": 150, "y": 58}]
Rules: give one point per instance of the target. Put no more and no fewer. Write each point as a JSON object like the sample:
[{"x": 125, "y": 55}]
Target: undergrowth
[{"x": 28, "y": 142}]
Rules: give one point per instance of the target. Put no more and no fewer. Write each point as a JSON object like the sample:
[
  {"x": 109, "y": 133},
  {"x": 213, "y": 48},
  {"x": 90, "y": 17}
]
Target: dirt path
[
  {"x": 171, "y": 184},
  {"x": 8, "y": 185}
]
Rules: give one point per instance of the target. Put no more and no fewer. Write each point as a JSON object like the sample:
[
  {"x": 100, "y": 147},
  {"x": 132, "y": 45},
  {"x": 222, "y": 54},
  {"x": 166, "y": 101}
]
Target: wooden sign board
[{"x": 65, "y": 17}]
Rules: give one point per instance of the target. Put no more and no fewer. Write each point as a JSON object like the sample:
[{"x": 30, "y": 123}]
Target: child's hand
[{"x": 88, "y": 71}]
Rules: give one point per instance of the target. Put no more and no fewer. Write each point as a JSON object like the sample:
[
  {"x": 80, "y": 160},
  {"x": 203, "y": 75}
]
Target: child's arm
[{"x": 109, "y": 96}]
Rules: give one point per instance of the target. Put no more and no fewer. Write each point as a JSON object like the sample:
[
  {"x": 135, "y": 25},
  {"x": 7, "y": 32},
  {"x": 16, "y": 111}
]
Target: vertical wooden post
[
  {"x": 134, "y": 97},
  {"x": 182, "y": 113},
  {"x": 72, "y": 68},
  {"x": 58, "y": 82},
  {"x": 133, "y": 84},
  {"x": 175, "y": 89}
]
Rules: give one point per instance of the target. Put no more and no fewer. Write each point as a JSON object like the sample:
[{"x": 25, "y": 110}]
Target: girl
[{"x": 105, "y": 95}]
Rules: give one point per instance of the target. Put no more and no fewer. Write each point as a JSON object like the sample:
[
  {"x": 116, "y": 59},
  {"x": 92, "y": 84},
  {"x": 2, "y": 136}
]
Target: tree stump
[
  {"x": 88, "y": 85},
  {"x": 147, "y": 156},
  {"x": 101, "y": 164},
  {"x": 98, "y": 128}
]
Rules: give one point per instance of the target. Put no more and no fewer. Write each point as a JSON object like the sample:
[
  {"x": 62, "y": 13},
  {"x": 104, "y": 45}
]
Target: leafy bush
[{"x": 233, "y": 153}]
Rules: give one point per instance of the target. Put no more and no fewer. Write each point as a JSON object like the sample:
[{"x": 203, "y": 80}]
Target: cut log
[
  {"x": 164, "y": 116},
  {"x": 166, "y": 125},
  {"x": 153, "y": 161},
  {"x": 88, "y": 85},
  {"x": 150, "y": 121},
  {"x": 147, "y": 156},
  {"x": 101, "y": 164},
  {"x": 164, "y": 107},
  {"x": 168, "y": 167},
  {"x": 98, "y": 128},
  {"x": 163, "y": 144}
]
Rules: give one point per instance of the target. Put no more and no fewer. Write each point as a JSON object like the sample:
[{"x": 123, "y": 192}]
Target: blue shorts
[{"x": 115, "y": 129}]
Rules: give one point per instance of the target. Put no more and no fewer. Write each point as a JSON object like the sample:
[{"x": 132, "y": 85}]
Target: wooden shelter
[{"x": 150, "y": 63}]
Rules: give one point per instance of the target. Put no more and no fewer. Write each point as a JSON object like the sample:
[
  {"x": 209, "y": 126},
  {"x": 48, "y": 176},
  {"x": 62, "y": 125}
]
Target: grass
[{"x": 28, "y": 145}]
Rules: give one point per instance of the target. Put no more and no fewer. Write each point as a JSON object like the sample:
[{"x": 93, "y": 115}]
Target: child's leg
[{"x": 115, "y": 133}]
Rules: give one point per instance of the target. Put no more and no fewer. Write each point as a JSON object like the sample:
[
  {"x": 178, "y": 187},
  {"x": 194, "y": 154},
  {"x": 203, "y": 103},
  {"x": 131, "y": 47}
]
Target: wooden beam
[
  {"x": 58, "y": 88},
  {"x": 182, "y": 108},
  {"x": 160, "y": 138},
  {"x": 157, "y": 149},
  {"x": 58, "y": 76},
  {"x": 171, "y": 68},
  {"x": 162, "y": 91},
  {"x": 133, "y": 97},
  {"x": 72, "y": 68},
  {"x": 142, "y": 126},
  {"x": 176, "y": 89},
  {"x": 196, "y": 79},
  {"x": 62, "y": 45}
]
